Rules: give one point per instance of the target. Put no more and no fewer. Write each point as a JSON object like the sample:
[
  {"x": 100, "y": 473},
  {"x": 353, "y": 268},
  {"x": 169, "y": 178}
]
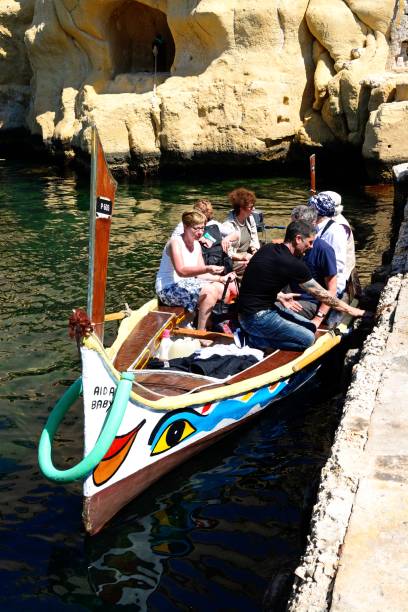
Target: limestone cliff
[
  {"x": 190, "y": 80},
  {"x": 15, "y": 72}
]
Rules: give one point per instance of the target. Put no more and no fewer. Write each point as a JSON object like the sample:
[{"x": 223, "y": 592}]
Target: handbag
[{"x": 223, "y": 311}]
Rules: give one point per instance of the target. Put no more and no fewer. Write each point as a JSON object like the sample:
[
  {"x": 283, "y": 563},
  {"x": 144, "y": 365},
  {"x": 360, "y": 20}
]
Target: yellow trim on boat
[
  {"x": 319, "y": 348},
  {"x": 322, "y": 345},
  {"x": 307, "y": 358}
]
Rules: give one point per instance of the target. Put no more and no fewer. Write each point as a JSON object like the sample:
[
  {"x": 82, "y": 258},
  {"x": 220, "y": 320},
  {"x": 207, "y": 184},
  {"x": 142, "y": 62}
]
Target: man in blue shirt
[{"x": 321, "y": 261}]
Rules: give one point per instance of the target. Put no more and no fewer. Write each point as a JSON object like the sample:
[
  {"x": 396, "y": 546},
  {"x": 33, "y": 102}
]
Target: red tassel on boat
[{"x": 79, "y": 324}]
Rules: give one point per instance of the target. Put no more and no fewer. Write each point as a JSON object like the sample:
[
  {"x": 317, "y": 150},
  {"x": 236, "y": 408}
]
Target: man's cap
[{"x": 324, "y": 205}]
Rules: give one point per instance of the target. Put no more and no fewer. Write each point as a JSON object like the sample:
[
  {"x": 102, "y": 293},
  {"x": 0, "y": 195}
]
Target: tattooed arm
[
  {"x": 323, "y": 309},
  {"x": 324, "y": 296}
]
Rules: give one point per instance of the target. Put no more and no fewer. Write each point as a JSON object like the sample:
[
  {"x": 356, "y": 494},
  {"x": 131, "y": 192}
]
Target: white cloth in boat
[
  {"x": 228, "y": 349},
  {"x": 167, "y": 275},
  {"x": 335, "y": 235},
  {"x": 351, "y": 250}
]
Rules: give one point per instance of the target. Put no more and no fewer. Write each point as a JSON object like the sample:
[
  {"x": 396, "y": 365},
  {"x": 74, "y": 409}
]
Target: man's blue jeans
[{"x": 279, "y": 329}]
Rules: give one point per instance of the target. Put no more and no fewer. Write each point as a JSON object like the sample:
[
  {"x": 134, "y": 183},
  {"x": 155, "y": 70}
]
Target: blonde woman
[
  {"x": 227, "y": 235},
  {"x": 183, "y": 278}
]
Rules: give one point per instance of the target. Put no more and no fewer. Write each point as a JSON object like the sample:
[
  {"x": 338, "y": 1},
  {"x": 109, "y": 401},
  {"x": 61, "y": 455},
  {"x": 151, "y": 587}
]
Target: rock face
[
  {"x": 15, "y": 71},
  {"x": 204, "y": 80}
]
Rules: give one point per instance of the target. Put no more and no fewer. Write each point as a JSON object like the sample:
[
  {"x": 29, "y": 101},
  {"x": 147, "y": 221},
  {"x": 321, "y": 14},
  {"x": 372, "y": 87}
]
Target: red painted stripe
[
  {"x": 206, "y": 408},
  {"x": 119, "y": 442}
]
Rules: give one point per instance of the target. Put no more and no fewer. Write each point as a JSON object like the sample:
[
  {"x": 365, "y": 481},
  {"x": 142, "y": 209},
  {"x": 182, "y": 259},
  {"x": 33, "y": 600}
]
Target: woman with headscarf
[
  {"x": 341, "y": 220},
  {"x": 332, "y": 233}
]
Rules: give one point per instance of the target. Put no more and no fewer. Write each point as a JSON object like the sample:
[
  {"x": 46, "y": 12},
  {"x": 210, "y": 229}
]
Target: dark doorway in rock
[{"x": 134, "y": 29}]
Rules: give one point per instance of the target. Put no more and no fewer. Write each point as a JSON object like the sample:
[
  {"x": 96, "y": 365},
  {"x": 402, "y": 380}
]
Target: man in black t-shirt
[{"x": 272, "y": 268}]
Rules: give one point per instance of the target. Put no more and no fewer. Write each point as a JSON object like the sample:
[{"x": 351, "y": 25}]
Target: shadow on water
[{"x": 217, "y": 531}]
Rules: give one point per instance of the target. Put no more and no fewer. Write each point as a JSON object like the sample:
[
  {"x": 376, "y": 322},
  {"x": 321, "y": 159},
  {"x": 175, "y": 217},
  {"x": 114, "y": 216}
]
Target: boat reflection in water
[{"x": 129, "y": 569}]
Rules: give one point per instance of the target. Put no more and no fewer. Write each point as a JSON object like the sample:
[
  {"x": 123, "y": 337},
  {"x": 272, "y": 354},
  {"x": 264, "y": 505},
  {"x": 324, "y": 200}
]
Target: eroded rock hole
[{"x": 134, "y": 29}]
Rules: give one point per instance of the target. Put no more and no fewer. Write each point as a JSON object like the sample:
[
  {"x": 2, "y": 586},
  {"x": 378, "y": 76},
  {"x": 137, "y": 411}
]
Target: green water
[{"x": 233, "y": 516}]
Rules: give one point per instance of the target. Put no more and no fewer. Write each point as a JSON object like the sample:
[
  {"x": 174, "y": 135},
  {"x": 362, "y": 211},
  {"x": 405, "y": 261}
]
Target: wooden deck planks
[
  {"x": 170, "y": 383},
  {"x": 272, "y": 362},
  {"x": 164, "y": 383}
]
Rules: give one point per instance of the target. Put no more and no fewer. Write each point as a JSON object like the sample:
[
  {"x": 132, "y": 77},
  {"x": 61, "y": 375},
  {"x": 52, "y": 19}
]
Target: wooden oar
[
  {"x": 312, "y": 161},
  {"x": 200, "y": 333},
  {"x": 115, "y": 316}
]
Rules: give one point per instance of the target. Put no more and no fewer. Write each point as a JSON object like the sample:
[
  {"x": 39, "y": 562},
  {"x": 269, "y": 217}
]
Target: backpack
[{"x": 214, "y": 255}]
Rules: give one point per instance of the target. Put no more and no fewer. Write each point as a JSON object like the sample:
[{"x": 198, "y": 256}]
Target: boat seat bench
[
  {"x": 179, "y": 312},
  {"x": 142, "y": 341}
]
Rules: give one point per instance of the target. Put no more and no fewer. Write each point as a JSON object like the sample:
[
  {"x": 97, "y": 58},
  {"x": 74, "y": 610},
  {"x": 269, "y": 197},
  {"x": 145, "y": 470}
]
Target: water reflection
[{"x": 129, "y": 570}]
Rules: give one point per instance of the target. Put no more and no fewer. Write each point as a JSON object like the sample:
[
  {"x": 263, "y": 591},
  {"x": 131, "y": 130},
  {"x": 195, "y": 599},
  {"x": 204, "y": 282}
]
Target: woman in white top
[{"x": 183, "y": 278}]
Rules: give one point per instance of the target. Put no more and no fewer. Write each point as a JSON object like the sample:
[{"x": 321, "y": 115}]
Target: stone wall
[{"x": 235, "y": 81}]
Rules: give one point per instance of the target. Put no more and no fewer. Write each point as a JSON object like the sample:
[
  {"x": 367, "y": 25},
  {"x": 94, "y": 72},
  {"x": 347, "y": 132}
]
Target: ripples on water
[{"x": 212, "y": 534}]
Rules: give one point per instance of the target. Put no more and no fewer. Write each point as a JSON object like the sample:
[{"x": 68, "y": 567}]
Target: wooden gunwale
[{"x": 270, "y": 371}]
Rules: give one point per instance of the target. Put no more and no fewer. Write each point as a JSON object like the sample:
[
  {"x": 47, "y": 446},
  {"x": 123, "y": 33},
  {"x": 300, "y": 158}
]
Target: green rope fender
[{"x": 105, "y": 439}]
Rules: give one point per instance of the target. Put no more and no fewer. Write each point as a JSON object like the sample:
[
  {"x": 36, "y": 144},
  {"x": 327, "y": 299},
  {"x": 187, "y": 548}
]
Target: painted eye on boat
[{"x": 173, "y": 435}]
